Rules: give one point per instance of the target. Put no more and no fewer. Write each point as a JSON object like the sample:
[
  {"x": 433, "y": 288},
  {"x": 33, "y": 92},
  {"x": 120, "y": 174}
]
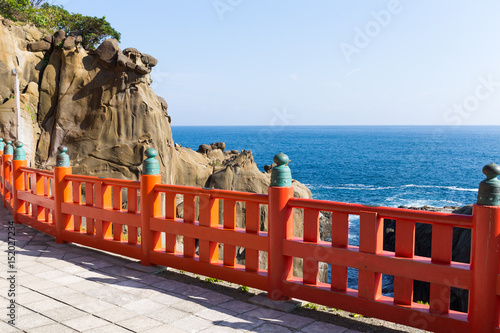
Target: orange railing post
[
  {"x": 280, "y": 227},
  {"x": 2, "y": 146},
  {"x": 7, "y": 156},
  {"x": 150, "y": 205},
  {"x": 62, "y": 192},
  {"x": 18, "y": 183},
  {"x": 484, "y": 300}
]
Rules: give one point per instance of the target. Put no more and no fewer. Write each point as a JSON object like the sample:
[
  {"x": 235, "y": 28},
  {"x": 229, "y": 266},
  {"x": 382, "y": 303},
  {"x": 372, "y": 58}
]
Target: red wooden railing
[{"x": 89, "y": 211}]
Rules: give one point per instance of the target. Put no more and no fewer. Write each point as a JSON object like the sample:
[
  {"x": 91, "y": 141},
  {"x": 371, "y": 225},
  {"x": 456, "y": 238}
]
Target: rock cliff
[{"x": 100, "y": 104}]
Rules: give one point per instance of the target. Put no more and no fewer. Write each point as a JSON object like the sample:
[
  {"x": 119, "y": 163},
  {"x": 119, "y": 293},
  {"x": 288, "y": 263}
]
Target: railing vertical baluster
[
  {"x": 311, "y": 235},
  {"x": 405, "y": 248},
  {"x": 280, "y": 227},
  {"x": 150, "y": 205},
  {"x": 442, "y": 240},
  {"x": 484, "y": 302},
  {"x": 103, "y": 201},
  {"x": 252, "y": 219},
  {"x": 77, "y": 199},
  {"x": 340, "y": 239},
  {"x": 89, "y": 201},
  {"x": 62, "y": 193},
  {"x": 188, "y": 212},
  {"x": 46, "y": 192},
  {"x": 132, "y": 208},
  {"x": 209, "y": 217},
  {"x": 170, "y": 213},
  {"x": 117, "y": 205},
  {"x": 370, "y": 241},
  {"x": 230, "y": 224}
]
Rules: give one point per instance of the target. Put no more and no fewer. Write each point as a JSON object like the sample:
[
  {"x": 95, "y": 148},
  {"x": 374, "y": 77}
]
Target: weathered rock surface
[{"x": 101, "y": 106}]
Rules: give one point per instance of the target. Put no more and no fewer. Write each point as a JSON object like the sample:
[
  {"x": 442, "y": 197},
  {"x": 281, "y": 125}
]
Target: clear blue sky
[{"x": 323, "y": 62}]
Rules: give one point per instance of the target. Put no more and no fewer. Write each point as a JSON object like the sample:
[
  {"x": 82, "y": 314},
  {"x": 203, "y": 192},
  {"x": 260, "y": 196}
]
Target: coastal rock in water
[{"x": 203, "y": 149}]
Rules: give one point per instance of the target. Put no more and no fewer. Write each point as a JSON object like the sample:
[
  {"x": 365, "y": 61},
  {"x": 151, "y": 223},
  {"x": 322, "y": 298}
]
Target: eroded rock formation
[{"x": 100, "y": 104}]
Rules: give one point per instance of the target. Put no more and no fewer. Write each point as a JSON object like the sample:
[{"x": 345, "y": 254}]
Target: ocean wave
[
  {"x": 364, "y": 187},
  {"x": 452, "y": 188}
]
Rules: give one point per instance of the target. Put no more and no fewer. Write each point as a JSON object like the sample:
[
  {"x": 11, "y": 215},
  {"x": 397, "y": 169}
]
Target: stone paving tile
[
  {"x": 144, "y": 306},
  {"x": 140, "y": 323},
  {"x": 215, "y": 315},
  {"x": 107, "y": 329},
  {"x": 150, "y": 279},
  {"x": 122, "y": 271},
  {"x": 95, "y": 306},
  {"x": 85, "y": 323},
  {"x": 53, "y": 328},
  {"x": 59, "y": 293},
  {"x": 264, "y": 314},
  {"x": 220, "y": 329},
  {"x": 116, "y": 314},
  {"x": 39, "y": 284},
  {"x": 241, "y": 322},
  {"x": 32, "y": 321},
  {"x": 30, "y": 297},
  {"x": 51, "y": 275},
  {"x": 294, "y": 321},
  {"x": 68, "y": 279},
  {"x": 191, "y": 290},
  {"x": 238, "y": 306},
  {"x": 213, "y": 297},
  {"x": 167, "y": 298},
  {"x": 164, "y": 329},
  {"x": 46, "y": 304},
  {"x": 6, "y": 328},
  {"x": 191, "y": 324},
  {"x": 271, "y": 328},
  {"x": 190, "y": 306},
  {"x": 168, "y": 315},
  {"x": 146, "y": 269},
  {"x": 38, "y": 268},
  {"x": 97, "y": 264},
  {"x": 112, "y": 295},
  {"x": 320, "y": 327},
  {"x": 63, "y": 313},
  {"x": 170, "y": 285},
  {"x": 83, "y": 286}
]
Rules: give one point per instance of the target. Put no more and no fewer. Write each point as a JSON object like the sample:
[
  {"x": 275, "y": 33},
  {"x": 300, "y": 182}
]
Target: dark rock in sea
[
  {"x": 203, "y": 149},
  {"x": 268, "y": 168}
]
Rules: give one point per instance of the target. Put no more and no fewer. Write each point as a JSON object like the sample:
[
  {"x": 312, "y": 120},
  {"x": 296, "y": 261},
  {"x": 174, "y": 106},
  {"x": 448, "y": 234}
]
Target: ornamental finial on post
[
  {"x": 2, "y": 144},
  {"x": 8, "y": 149},
  {"x": 62, "y": 159},
  {"x": 489, "y": 188},
  {"x": 19, "y": 153},
  {"x": 281, "y": 176},
  {"x": 151, "y": 165}
]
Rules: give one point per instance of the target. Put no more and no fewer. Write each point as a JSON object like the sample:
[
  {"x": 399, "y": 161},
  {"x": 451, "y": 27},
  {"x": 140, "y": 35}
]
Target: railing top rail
[
  {"x": 457, "y": 220},
  {"x": 45, "y": 173},
  {"x": 215, "y": 193},
  {"x": 107, "y": 181}
]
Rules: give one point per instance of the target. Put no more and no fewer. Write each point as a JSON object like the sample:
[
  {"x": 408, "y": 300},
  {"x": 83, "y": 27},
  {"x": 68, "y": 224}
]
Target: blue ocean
[{"x": 374, "y": 165}]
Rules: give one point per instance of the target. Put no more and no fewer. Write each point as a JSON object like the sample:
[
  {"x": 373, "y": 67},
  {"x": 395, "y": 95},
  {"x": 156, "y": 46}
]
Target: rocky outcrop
[{"x": 100, "y": 105}]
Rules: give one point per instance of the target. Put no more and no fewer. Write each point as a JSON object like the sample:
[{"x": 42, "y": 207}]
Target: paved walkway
[{"x": 69, "y": 288}]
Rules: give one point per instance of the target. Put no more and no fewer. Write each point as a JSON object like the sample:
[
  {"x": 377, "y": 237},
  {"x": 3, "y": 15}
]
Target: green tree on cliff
[{"x": 44, "y": 15}]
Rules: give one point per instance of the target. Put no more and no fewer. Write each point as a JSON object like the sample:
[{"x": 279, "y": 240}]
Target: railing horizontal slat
[
  {"x": 457, "y": 220},
  {"x": 121, "y": 217},
  {"x": 420, "y": 268},
  {"x": 236, "y": 274},
  {"x": 226, "y": 236},
  {"x": 214, "y": 193},
  {"x": 36, "y": 199},
  {"x": 416, "y": 316}
]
